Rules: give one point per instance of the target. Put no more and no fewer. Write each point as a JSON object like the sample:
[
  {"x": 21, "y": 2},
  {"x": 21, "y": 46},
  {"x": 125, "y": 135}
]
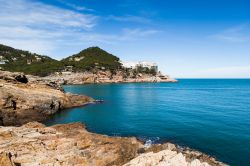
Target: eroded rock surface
[
  {"x": 165, "y": 158},
  {"x": 34, "y": 144},
  {"x": 22, "y": 102}
]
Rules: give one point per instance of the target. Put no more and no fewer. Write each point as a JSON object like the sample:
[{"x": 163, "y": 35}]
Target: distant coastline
[
  {"x": 92, "y": 65},
  {"x": 73, "y": 78}
]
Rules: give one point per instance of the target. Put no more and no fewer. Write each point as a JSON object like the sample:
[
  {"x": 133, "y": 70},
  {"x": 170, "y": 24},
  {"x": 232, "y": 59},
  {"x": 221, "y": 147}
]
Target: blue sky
[{"x": 187, "y": 38}]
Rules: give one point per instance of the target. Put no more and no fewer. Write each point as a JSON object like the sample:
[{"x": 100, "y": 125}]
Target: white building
[
  {"x": 143, "y": 64},
  {"x": 3, "y": 61},
  {"x": 38, "y": 59},
  {"x": 129, "y": 65}
]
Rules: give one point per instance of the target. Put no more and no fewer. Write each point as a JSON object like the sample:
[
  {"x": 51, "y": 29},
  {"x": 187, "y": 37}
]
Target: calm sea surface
[{"x": 210, "y": 115}]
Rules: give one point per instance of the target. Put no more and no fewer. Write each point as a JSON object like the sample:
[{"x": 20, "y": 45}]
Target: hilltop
[{"x": 90, "y": 59}]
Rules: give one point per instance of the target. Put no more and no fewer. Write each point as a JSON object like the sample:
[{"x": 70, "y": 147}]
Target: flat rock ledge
[
  {"x": 165, "y": 158},
  {"x": 34, "y": 144}
]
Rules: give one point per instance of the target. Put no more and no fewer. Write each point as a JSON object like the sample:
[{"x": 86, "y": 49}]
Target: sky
[{"x": 186, "y": 38}]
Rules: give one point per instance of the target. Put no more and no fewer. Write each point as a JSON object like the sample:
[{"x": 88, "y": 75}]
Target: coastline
[
  {"x": 99, "y": 77},
  {"x": 23, "y": 101},
  {"x": 71, "y": 144},
  {"x": 29, "y": 143}
]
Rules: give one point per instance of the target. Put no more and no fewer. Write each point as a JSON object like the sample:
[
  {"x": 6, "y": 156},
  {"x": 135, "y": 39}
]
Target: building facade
[{"x": 140, "y": 64}]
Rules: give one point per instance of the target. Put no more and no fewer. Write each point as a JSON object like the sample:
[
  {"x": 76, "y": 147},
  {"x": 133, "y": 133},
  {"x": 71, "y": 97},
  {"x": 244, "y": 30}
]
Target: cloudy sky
[{"x": 208, "y": 38}]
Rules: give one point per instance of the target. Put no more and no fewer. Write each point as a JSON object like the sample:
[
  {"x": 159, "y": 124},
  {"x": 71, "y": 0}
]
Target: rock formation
[
  {"x": 170, "y": 157},
  {"x": 28, "y": 98},
  {"x": 105, "y": 77},
  {"x": 22, "y": 102},
  {"x": 163, "y": 158},
  {"x": 66, "y": 145},
  {"x": 34, "y": 144}
]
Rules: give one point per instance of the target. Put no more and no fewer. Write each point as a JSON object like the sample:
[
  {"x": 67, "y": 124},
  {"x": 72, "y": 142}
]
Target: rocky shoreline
[
  {"x": 25, "y": 99},
  {"x": 71, "y": 144},
  {"x": 74, "y": 78}
]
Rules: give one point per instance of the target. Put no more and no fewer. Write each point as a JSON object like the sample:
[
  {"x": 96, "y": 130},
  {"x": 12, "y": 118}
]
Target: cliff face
[{"x": 22, "y": 102}]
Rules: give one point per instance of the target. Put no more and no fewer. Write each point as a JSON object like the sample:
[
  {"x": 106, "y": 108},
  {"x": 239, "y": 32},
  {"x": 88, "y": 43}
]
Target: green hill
[
  {"x": 16, "y": 60},
  {"x": 89, "y": 59},
  {"x": 92, "y": 58}
]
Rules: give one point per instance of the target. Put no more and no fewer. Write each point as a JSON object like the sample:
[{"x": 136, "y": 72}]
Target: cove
[{"x": 210, "y": 115}]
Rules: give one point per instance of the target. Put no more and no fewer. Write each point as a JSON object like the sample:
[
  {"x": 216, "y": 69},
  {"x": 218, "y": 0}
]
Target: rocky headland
[
  {"x": 91, "y": 65},
  {"x": 105, "y": 77},
  {"x": 23, "y": 142},
  {"x": 23, "y": 101}
]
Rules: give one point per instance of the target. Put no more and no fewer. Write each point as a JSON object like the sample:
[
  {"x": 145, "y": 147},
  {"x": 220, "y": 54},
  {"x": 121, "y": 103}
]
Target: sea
[{"x": 209, "y": 115}]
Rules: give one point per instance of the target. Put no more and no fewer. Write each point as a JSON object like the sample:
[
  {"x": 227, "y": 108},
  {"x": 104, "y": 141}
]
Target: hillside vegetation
[
  {"x": 23, "y": 61},
  {"x": 93, "y": 58},
  {"x": 89, "y": 59}
]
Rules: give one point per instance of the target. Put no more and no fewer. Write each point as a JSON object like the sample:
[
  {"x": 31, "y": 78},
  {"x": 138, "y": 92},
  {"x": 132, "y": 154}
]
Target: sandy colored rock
[
  {"x": 25, "y": 102},
  {"x": 105, "y": 77},
  {"x": 66, "y": 145},
  {"x": 72, "y": 145},
  {"x": 164, "y": 158},
  {"x": 5, "y": 160}
]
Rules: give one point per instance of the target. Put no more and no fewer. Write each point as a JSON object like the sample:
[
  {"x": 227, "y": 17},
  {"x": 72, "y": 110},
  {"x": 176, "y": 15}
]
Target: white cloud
[
  {"x": 50, "y": 30},
  {"x": 137, "y": 33},
  {"x": 129, "y": 18},
  {"x": 125, "y": 35},
  {"x": 236, "y": 34},
  {"x": 26, "y": 12},
  {"x": 76, "y": 7},
  {"x": 39, "y": 27}
]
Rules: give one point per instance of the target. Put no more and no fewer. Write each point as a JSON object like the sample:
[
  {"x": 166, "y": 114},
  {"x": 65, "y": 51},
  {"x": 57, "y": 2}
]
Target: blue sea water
[{"x": 210, "y": 115}]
